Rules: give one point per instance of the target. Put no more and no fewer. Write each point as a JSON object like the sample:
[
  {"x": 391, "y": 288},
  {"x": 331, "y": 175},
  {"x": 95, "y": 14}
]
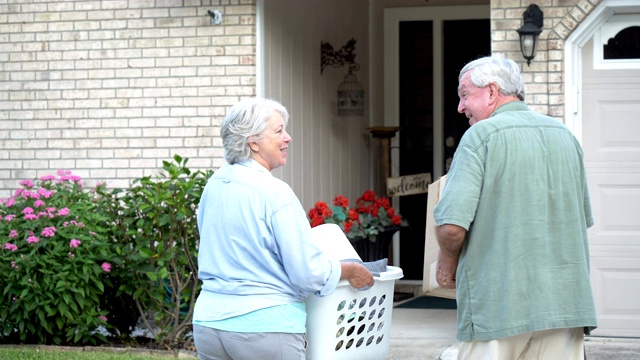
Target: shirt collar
[
  {"x": 511, "y": 106},
  {"x": 252, "y": 164}
]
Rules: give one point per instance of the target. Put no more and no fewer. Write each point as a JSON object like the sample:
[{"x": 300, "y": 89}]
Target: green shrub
[
  {"x": 157, "y": 240},
  {"x": 55, "y": 259}
]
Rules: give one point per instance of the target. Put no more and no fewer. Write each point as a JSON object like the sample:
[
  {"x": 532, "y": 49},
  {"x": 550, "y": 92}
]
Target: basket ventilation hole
[
  {"x": 381, "y": 313},
  {"x": 372, "y": 302},
  {"x": 371, "y": 327},
  {"x": 352, "y": 317},
  {"x": 349, "y": 344},
  {"x": 370, "y": 340},
  {"x": 363, "y": 302},
  {"x": 340, "y": 319},
  {"x": 379, "y": 339},
  {"x": 340, "y": 331},
  {"x": 362, "y": 316},
  {"x": 360, "y": 341},
  {"x": 350, "y": 331},
  {"x": 382, "y": 298},
  {"x": 352, "y": 304},
  {"x": 361, "y": 329},
  {"x": 339, "y": 344},
  {"x": 380, "y": 325},
  {"x": 342, "y": 304},
  {"x": 372, "y": 314}
]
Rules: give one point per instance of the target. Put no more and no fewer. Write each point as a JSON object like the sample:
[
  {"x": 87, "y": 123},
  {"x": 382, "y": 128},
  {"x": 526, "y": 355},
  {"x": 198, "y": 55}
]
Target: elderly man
[{"x": 512, "y": 225}]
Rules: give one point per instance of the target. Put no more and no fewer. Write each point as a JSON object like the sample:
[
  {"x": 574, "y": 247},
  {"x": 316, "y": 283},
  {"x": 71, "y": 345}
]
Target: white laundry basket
[{"x": 350, "y": 324}]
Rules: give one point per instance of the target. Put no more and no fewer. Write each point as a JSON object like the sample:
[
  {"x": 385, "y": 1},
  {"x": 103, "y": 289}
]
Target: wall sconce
[
  {"x": 350, "y": 92},
  {"x": 529, "y": 31}
]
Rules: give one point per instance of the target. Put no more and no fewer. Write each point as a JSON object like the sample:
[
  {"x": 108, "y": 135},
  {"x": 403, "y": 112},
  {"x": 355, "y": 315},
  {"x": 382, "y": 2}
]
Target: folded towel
[{"x": 376, "y": 267}]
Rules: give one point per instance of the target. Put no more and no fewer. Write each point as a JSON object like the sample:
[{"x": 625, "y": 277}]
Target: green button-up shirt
[{"x": 518, "y": 185}]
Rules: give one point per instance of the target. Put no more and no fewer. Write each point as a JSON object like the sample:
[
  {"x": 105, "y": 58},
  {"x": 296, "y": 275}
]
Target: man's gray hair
[
  {"x": 501, "y": 71},
  {"x": 245, "y": 122}
]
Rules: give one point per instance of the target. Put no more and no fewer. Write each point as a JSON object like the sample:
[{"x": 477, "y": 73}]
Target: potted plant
[{"x": 369, "y": 225}]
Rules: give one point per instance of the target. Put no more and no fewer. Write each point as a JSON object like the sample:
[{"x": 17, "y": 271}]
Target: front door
[{"x": 428, "y": 47}]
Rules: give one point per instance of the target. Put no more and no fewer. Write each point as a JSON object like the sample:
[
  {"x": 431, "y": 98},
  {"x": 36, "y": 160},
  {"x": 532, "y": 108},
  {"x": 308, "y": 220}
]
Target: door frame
[
  {"x": 573, "y": 57},
  {"x": 392, "y": 19},
  {"x": 574, "y": 109}
]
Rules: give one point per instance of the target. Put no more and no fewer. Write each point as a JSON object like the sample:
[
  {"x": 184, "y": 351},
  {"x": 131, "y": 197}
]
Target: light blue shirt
[
  {"x": 518, "y": 185},
  {"x": 255, "y": 246}
]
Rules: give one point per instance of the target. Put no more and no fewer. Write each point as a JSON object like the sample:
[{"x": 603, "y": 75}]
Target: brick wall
[
  {"x": 111, "y": 88},
  {"x": 544, "y": 78}
]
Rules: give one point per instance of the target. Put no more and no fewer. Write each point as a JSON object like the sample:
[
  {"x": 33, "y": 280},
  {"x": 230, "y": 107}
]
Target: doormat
[{"x": 429, "y": 302}]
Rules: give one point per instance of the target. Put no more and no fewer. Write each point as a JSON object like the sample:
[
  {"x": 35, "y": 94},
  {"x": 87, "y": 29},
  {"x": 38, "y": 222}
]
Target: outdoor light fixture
[
  {"x": 529, "y": 31},
  {"x": 350, "y": 92}
]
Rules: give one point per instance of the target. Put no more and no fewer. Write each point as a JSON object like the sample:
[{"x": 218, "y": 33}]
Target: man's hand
[
  {"x": 450, "y": 239},
  {"x": 446, "y": 271}
]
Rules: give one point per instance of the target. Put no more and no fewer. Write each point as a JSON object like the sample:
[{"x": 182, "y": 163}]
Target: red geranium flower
[{"x": 370, "y": 216}]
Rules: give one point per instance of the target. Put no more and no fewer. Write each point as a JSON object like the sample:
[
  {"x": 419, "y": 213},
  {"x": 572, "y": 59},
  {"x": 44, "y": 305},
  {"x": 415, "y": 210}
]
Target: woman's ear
[{"x": 254, "y": 146}]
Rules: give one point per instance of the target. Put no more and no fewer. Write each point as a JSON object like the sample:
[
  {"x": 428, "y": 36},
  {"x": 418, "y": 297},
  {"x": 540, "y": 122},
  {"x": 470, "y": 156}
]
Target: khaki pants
[{"x": 566, "y": 344}]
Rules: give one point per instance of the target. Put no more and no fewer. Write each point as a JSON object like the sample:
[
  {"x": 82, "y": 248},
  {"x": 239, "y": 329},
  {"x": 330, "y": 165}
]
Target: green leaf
[{"x": 146, "y": 253}]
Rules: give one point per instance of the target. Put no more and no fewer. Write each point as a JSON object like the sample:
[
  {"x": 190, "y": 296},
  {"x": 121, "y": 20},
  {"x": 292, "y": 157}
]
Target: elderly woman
[{"x": 256, "y": 259}]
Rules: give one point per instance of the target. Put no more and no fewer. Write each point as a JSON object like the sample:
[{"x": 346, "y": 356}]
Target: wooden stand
[
  {"x": 383, "y": 134},
  {"x": 383, "y": 153}
]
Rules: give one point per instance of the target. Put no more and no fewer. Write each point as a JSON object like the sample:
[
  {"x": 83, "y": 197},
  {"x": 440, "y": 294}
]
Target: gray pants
[{"x": 214, "y": 344}]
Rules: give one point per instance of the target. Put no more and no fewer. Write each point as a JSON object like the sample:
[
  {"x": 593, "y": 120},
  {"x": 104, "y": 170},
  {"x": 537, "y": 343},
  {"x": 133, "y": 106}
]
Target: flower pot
[{"x": 374, "y": 250}]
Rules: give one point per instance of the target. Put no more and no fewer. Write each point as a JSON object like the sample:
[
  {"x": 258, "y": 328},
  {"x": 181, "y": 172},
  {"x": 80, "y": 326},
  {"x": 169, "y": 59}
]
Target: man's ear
[{"x": 494, "y": 92}]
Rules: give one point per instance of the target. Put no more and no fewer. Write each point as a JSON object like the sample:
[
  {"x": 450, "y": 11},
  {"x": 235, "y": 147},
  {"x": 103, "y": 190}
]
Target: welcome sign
[{"x": 408, "y": 185}]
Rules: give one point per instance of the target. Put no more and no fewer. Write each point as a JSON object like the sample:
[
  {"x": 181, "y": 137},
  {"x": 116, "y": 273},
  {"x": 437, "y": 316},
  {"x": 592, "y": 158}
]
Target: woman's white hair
[
  {"x": 501, "y": 71},
  {"x": 245, "y": 122}
]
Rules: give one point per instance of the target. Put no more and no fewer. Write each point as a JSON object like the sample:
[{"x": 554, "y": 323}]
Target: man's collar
[{"x": 516, "y": 105}]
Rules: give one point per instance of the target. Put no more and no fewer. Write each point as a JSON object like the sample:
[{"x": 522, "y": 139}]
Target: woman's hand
[{"x": 357, "y": 275}]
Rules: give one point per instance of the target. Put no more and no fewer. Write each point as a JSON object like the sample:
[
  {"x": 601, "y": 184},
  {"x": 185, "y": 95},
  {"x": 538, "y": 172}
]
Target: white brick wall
[{"x": 111, "y": 88}]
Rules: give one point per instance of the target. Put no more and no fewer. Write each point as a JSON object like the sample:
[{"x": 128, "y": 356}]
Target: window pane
[{"x": 625, "y": 45}]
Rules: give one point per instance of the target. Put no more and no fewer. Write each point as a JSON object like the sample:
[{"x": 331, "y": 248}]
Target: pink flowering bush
[{"x": 54, "y": 261}]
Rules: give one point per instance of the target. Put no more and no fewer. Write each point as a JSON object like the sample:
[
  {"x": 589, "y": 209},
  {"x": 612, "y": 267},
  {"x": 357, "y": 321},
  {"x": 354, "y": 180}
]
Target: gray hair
[
  {"x": 245, "y": 122},
  {"x": 501, "y": 71}
]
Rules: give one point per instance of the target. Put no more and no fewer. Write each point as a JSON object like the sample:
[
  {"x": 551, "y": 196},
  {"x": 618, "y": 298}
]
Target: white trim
[
  {"x": 260, "y": 57},
  {"x": 610, "y": 29},
  {"x": 573, "y": 57}
]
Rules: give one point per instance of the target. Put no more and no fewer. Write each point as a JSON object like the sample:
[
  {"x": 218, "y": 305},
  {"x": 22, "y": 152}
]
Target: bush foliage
[
  {"x": 158, "y": 239},
  {"x": 74, "y": 260},
  {"x": 54, "y": 261}
]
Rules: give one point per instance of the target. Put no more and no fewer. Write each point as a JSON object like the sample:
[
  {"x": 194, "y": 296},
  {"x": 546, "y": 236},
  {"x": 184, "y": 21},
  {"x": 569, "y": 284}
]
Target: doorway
[{"x": 431, "y": 52}]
